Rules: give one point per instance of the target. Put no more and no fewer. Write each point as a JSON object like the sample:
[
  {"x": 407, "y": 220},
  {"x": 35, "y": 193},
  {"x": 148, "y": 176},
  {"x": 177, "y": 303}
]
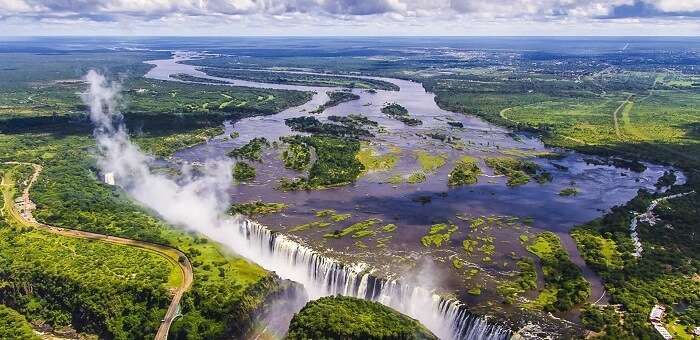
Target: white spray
[{"x": 199, "y": 203}]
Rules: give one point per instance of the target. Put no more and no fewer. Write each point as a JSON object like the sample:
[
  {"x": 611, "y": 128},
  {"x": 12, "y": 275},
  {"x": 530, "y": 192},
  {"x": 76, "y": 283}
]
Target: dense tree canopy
[{"x": 350, "y": 318}]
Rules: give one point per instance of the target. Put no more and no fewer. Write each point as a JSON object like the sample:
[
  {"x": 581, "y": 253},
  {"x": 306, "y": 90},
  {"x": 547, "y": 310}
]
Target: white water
[
  {"x": 322, "y": 276},
  {"x": 199, "y": 203}
]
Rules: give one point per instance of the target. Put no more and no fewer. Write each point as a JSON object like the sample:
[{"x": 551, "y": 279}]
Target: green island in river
[{"x": 349, "y": 188}]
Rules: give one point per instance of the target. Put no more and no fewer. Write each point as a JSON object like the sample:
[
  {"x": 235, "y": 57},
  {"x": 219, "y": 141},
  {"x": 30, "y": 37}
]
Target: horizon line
[{"x": 342, "y": 36}]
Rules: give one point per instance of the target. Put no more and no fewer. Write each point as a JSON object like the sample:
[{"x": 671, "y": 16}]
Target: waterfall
[
  {"x": 323, "y": 276},
  {"x": 198, "y": 203}
]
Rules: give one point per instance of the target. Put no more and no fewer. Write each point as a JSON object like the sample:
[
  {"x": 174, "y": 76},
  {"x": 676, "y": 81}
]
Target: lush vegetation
[
  {"x": 465, "y": 172},
  {"x": 254, "y": 208},
  {"x": 438, "y": 234},
  {"x": 166, "y": 146},
  {"x": 600, "y": 253},
  {"x": 304, "y": 79},
  {"x": 627, "y": 113},
  {"x": 666, "y": 273},
  {"x": 357, "y": 230},
  {"x": 517, "y": 171},
  {"x": 312, "y": 125},
  {"x": 14, "y": 326},
  {"x": 152, "y": 96},
  {"x": 297, "y": 156},
  {"x": 641, "y": 111},
  {"x": 568, "y": 192},
  {"x": 429, "y": 162},
  {"x": 638, "y": 106},
  {"x": 251, "y": 151},
  {"x": 400, "y": 113},
  {"x": 69, "y": 195},
  {"x": 243, "y": 172},
  {"x": 336, "y": 163},
  {"x": 354, "y": 120},
  {"x": 523, "y": 281},
  {"x": 375, "y": 161},
  {"x": 336, "y": 98},
  {"x": 565, "y": 286},
  {"x": 116, "y": 291},
  {"x": 349, "y": 318}
]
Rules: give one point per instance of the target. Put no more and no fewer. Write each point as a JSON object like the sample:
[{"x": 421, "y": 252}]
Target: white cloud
[
  {"x": 345, "y": 16},
  {"x": 537, "y": 8},
  {"x": 677, "y": 5}
]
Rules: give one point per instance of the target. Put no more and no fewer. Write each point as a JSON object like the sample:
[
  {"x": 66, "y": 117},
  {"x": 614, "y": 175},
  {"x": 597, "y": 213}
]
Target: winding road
[{"x": 174, "y": 256}]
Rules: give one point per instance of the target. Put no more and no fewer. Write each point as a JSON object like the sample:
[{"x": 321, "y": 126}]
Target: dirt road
[
  {"x": 615, "y": 119},
  {"x": 174, "y": 256}
]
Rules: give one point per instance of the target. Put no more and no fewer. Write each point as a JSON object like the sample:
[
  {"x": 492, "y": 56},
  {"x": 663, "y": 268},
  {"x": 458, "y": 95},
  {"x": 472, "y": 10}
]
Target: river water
[{"x": 601, "y": 186}]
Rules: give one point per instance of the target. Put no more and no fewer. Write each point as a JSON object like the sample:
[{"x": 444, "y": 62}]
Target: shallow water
[{"x": 601, "y": 187}]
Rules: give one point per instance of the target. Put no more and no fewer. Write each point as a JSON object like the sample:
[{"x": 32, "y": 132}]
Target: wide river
[{"x": 601, "y": 187}]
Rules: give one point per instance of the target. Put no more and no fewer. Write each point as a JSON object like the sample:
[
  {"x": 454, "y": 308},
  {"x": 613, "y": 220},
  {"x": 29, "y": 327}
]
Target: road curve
[{"x": 174, "y": 256}]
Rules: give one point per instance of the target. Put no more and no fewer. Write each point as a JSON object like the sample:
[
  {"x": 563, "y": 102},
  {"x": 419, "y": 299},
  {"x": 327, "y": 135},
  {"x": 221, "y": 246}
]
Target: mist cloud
[{"x": 195, "y": 201}]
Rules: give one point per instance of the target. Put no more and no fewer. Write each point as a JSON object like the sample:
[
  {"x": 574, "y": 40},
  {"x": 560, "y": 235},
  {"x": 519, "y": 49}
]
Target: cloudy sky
[{"x": 349, "y": 17}]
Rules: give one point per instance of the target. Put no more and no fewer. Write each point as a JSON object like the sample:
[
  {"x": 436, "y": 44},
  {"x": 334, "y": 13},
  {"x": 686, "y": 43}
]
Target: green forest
[
  {"x": 104, "y": 289},
  {"x": 340, "y": 317}
]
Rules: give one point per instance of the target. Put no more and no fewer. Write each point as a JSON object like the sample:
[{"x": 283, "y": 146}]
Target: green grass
[
  {"x": 429, "y": 162},
  {"x": 599, "y": 252},
  {"x": 680, "y": 331},
  {"x": 14, "y": 326},
  {"x": 661, "y": 127},
  {"x": 546, "y": 298},
  {"x": 396, "y": 179},
  {"x": 332, "y": 215},
  {"x": 310, "y": 225},
  {"x": 389, "y": 228},
  {"x": 544, "y": 247},
  {"x": 416, "y": 177},
  {"x": 658, "y": 125},
  {"x": 562, "y": 277},
  {"x": 374, "y": 161},
  {"x": 587, "y": 119}
]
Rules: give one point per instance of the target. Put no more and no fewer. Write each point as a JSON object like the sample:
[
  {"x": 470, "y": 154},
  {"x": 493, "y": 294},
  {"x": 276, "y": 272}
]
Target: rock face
[{"x": 340, "y": 317}]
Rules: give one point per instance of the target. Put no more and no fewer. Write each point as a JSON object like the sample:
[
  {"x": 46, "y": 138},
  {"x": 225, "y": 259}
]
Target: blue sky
[{"x": 349, "y": 17}]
